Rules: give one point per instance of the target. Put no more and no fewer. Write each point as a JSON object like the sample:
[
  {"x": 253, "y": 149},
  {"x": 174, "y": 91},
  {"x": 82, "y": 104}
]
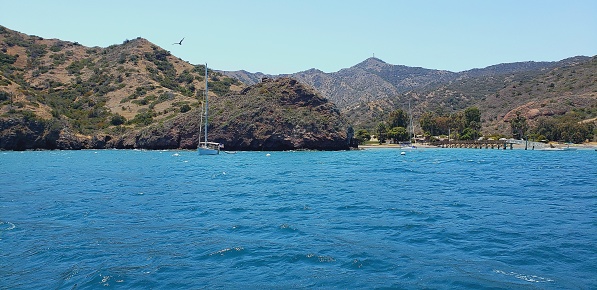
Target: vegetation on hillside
[
  {"x": 91, "y": 90},
  {"x": 274, "y": 112},
  {"x": 548, "y": 97},
  {"x": 569, "y": 128},
  {"x": 59, "y": 88},
  {"x": 57, "y": 94}
]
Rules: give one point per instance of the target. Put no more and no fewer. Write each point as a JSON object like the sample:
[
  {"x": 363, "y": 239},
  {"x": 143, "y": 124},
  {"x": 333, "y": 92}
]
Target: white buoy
[
  {"x": 402, "y": 153},
  {"x": 268, "y": 155}
]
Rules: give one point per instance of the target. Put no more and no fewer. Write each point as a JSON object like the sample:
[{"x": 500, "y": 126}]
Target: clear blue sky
[{"x": 283, "y": 36}]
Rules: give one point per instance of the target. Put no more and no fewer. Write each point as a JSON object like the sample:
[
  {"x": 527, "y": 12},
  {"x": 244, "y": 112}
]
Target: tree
[
  {"x": 575, "y": 132},
  {"x": 398, "y": 134},
  {"x": 363, "y": 136},
  {"x": 117, "y": 120},
  {"x": 428, "y": 123},
  {"x": 457, "y": 122},
  {"x": 469, "y": 123},
  {"x": 567, "y": 128},
  {"x": 382, "y": 132},
  {"x": 443, "y": 125},
  {"x": 472, "y": 114},
  {"x": 547, "y": 127},
  {"x": 398, "y": 118},
  {"x": 468, "y": 134},
  {"x": 519, "y": 126}
]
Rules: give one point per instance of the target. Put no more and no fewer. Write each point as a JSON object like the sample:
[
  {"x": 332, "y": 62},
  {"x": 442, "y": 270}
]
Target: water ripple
[{"x": 438, "y": 219}]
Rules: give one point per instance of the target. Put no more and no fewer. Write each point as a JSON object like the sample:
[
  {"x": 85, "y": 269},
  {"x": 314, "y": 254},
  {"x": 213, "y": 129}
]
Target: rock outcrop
[{"x": 279, "y": 114}]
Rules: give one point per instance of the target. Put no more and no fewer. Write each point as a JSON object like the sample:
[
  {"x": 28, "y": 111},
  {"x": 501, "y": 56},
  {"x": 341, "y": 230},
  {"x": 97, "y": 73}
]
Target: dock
[{"x": 476, "y": 144}]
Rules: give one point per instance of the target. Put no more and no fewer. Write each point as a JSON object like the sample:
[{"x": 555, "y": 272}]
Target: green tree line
[
  {"x": 463, "y": 125},
  {"x": 466, "y": 125},
  {"x": 567, "y": 128}
]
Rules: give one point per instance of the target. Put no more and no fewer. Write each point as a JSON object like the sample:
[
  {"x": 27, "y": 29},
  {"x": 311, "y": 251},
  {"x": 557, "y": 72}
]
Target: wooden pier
[{"x": 475, "y": 144}]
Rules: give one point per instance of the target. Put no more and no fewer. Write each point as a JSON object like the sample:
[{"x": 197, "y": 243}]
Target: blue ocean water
[{"x": 430, "y": 219}]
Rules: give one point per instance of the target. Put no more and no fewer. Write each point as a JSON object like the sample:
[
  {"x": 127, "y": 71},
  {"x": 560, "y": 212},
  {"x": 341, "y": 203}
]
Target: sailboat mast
[
  {"x": 206, "y": 103},
  {"x": 412, "y": 130}
]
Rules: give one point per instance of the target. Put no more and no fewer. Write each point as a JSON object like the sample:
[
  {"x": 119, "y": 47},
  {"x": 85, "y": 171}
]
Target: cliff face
[
  {"x": 280, "y": 114},
  {"x": 20, "y": 134}
]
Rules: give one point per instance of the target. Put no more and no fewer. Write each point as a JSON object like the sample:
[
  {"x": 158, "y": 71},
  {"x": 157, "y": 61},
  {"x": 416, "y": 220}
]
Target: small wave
[
  {"x": 288, "y": 228},
  {"x": 321, "y": 259},
  {"x": 70, "y": 273},
  {"x": 226, "y": 251},
  {"x": 525, "y": 277},
  {"x": 368, "y": 263},
  {"x": 314, "y": 258},
  {"x": 285, "y": 226},
  {"x": 6, "y": 226}
]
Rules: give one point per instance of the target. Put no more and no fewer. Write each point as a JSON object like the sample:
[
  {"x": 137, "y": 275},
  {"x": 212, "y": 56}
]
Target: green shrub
[
  {"x": 185, "y": 108},
  {"x": 76, "y": 66},
  {"x": 117, "y": 120},
  {"x": 4, "y": 96},
  {"x": 7, "y": 58},
  {"x": 143, "y": 118},
  {"x": 5, "y": 82},
  {"x": 58, "y": 58},
  {"x": 141, "y": 102}
]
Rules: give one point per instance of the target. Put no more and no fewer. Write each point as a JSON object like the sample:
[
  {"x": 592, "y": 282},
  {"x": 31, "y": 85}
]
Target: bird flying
[{"x": 179, "y": 43}]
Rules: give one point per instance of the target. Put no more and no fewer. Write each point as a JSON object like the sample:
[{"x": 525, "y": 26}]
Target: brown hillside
[
  {"x": 555, "y": 90},
  {"x": 280, "y": 114},
  {"x": 126, "y": 77},
  {"x": 58, "y": 94}
]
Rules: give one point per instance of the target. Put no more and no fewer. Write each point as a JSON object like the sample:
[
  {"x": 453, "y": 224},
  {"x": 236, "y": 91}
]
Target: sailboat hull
[
  {"x": 207, "y": 151},
  {"x": 209, "y": 148}
]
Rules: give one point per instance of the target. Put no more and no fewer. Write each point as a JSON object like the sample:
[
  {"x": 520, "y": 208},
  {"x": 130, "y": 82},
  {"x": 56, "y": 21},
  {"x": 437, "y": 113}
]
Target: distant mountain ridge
[
  {"x": 374, "y": 79},
  {"x": 533, "y": 89},
  {"x": 368, "y": 91}
]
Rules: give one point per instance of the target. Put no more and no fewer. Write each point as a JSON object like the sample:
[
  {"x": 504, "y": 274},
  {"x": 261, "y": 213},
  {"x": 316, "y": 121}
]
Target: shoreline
[{"x": 584, "y": 146}]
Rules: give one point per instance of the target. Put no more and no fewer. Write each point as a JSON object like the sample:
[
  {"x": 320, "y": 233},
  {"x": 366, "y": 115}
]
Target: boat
[
  {"x": 553, "y": 148},
  {"x": 567, "y": 148},
  {"x": 206, "y": 147}
]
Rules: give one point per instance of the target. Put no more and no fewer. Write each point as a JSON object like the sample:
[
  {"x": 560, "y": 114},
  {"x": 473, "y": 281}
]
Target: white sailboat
[{"x": 205, "y": 147}]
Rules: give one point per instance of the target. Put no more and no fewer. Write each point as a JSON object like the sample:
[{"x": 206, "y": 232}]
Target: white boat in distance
[
  {"x": 552, "y": 148},
  {"x": 205, "y": 147}
]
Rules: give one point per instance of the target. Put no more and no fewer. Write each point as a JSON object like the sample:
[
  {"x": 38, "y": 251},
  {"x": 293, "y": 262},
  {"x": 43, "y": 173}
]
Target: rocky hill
[
  {"x": 368, "y": 91},
  {"x": 374, "y": 79},
  {"x": 367, "y": 81},
  {"x": 61, "y": 95},
  {"x": 280, "y": 114}
]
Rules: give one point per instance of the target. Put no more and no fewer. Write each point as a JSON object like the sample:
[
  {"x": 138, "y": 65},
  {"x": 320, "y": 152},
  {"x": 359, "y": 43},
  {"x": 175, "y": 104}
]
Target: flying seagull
[{"x": 179, "y": 43}]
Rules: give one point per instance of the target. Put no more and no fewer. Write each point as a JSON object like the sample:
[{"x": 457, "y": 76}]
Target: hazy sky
[{"x": 280, "y": 36}]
